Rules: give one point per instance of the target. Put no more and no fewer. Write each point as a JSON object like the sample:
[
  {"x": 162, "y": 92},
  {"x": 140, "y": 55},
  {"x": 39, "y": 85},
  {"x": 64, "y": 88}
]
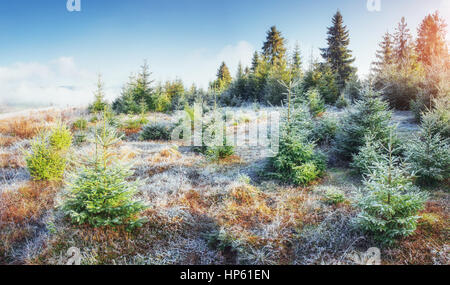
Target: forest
[{"x": 360, "y": 163}]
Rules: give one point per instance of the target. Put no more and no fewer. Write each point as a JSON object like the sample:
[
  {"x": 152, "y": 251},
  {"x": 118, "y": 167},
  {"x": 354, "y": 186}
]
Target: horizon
[{"x": 53, "y": 56}]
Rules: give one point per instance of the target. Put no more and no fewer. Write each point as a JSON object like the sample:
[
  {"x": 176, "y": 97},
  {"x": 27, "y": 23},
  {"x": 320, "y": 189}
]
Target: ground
[{"x": 200, "y": 211}]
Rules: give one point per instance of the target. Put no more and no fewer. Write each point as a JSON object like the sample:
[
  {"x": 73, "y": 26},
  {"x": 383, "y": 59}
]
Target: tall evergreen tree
[
  {"x": 337, "y": 52},
  {"x": 431, "y": 39},
  {"x": 240, "y": 71},
  {"x": 223, "y": 77},
  {"x": 296, "y": 63},
  {"x": 143, "y": 88},
  {"x": 385, "y": 55},
  {"x": 402, "y": 42},
  {"x": 274, "y": 51},
  {"x": 255, "y": 62}
]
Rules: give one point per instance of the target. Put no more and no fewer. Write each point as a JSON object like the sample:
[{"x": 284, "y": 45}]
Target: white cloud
[
  {"x": 200, "y": 66},
  {"x": 61, "y": 82},
  {"x": 58, "y": 82}
]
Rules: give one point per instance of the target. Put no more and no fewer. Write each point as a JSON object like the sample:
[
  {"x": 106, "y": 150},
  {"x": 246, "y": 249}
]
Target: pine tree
[
  {"x": 402, "y": 43},
  {"x": 337, "y": 52},
  {"x": 274, "y": 51},
  {"x": 223, "y": 78},
  {"x": 370, "y": 116},
  {"x": 255, "y": 62},
  {"x": 240, "y": 71},
  {"x": 99, "y": 102},
  {"x": 385, "y": 55},
  {"x": 431, "y": 39},
  {"x": 143, "y": 89},
  {"x": 296, "y": 63}
]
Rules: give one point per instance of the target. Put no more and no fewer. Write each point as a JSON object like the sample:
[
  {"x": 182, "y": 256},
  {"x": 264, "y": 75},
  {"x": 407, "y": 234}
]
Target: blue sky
[{"x": 51, "y": 55}]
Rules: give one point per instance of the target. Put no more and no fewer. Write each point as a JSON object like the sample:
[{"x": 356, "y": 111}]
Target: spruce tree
[
  {"x": 385, "y": 55},
  {"x": 143, "y": 89},
  {"x": 99, "y": 102},
  {"x": 223, "y": 78},
  {"x": 337, "y": 52},
  {"x": 431, "y": 39},
  {"x": 370, "y": 116},
  {"x": 402, "y": 43},
  {"x": 255, "y": 62},
  {"x": 296, "y": 63},
  {"x": 274, "y": 51}
]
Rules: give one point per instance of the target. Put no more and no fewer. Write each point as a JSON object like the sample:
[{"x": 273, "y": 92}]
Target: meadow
[{"x": 360, "y": 164}]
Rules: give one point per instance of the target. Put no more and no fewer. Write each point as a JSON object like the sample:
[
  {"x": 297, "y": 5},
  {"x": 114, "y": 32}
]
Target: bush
[
  {"x": 297, "y": 161},
  {"x": 46, "y": 160},
  {"x": 390, "y": 202},
  {"x": 325, "y": 130},
  {"x": 353, "y": 89},
  {"x": 342, "y": 102},
  {"x": 60, "y": 138},
  {"x": 100, "y": 193},
  {"x": 156, "y": 131},
  {"x": 370, "y": 115},
  {"x": 334, "y": 196},
  {"x": 399, "y": 86},
  {"x": 316, "y": 104},
  {"x": 437, "y": 120},
  {"x": 97, "y": 107},
  {"x": 429, "y": 155},
  {"x": 93, "y": 119},
  {"x": 214, "y": 152},
  {"x": 80, "y": 124},
  {"x": 133, "y": 125},
  {"x": 79, "y": 138},
  {"x": 368, "y": 155},
  {"x": 219, "y": 152}
]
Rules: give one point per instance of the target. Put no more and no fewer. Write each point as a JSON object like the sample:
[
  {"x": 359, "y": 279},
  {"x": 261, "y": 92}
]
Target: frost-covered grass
[{"x": 200, "y": 211}]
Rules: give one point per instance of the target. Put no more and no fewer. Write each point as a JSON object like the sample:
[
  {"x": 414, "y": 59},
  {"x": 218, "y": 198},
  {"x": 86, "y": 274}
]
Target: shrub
[
  {"x": 437, "y": 120},
  {"x": 334, "y": 196},
  {"x": 316, "y": 104},
  {"x": 60, "y": 138},
  {"x": 368, "y": 155},
  {"x": 305, "y": 173},
  {"x": 352, "y": 89},
  {"x": 219, "y": 152},
  {"x": 79, "y": 138},
  {"x": 100, "y": 193},
  {"x": 399, "y": 86},
  {"x": 45, "y": 162},
  {"x": 429, "y": 155},
  {"x": 93, "y": 119},
  {"x": 131, "y": 126},
  {"x": 390, "y": 202},
  {"x": 156, "y": 131},
  {"x": 370, "y": 115},
  {"x": 297, "y": 161},
  {"x": 342, "y": 102},
  {"x": 325, "y": 130},
  {"x": 80, "y": 124}
]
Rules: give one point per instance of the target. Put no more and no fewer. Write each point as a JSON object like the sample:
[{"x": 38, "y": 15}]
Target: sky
[{"x": 50, "y": 55}]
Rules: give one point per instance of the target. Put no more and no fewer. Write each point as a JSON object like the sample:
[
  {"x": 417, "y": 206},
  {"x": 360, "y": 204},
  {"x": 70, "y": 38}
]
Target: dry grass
[
  {"x": 11, "y": 160},
  {"x": 258, "y": 227},
  {"x": 429, "y": 244},
  {"x": 26, "y": 127},
  {"x": 21, "y": 212},
  {"x": 7, "y": 141}
]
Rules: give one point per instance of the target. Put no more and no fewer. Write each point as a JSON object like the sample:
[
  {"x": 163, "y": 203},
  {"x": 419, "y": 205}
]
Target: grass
[{"x": 201, "y": 211}]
